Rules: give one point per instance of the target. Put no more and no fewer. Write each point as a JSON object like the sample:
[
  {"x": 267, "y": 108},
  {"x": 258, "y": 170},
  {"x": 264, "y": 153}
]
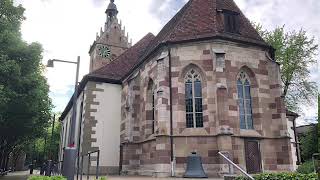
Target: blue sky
[{"x": 67, "y": 28}]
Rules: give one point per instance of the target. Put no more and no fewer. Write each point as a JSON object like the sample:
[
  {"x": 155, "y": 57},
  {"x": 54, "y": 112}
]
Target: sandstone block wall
[{"x": 221, "y": 131}]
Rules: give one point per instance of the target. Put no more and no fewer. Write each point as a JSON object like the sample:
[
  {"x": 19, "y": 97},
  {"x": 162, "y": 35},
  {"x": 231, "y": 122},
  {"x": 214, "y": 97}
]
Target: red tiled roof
[
  {"x": 203, "y": 19},
  {"x": 116, "y": 69}
]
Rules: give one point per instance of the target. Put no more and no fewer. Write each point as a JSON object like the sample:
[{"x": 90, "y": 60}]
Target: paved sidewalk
[
  {"x": 20, "y": 175},
  {"x": 143, "y": 178},
  {"x": 23, "y": 175}
]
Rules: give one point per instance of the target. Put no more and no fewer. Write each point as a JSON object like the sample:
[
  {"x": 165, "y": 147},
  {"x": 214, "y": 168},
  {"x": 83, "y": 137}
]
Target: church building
[{"x": 206, "y": 83}]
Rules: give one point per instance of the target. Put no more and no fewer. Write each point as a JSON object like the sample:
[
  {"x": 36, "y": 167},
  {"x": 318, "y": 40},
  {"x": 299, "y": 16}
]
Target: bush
[
  {"x": 282, "y": 176},
  {"x": 306, "y": 168},
  {"x": 46, "y": 178}
]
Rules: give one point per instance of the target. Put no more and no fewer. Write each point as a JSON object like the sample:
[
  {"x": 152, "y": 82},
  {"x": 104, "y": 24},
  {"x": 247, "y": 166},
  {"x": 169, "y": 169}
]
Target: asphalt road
[{"x": 23, "y": 175}]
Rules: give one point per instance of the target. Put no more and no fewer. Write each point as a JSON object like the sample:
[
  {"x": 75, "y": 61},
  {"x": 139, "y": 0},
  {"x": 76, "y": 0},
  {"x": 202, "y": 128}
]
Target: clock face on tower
[{"x": 104, "y": 51}]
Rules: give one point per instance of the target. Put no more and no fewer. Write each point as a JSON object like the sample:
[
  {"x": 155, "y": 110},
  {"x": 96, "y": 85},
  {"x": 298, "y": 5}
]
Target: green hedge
[
  {"x": 282, "y": 176},
  {"x": 306, "y": 168},
  {"x": 46, "y": 178},
  {"x": 54, "y": 178}
]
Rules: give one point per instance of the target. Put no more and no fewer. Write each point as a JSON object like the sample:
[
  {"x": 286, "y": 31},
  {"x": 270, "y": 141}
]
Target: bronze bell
[{"x": 194, "y": 167}]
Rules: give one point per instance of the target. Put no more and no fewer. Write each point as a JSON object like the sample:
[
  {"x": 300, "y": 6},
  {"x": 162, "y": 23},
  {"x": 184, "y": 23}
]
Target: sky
[{"x": 67, "y": 28}]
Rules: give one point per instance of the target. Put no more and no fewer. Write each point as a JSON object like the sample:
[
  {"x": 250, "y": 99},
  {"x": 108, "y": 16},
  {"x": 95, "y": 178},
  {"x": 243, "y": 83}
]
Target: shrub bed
[
  {"x": 306, "y": 168},
  {"x": 282, "y": 176},
  {"x": 46, "y": 178},
  {"x": 54, "y": 178}
]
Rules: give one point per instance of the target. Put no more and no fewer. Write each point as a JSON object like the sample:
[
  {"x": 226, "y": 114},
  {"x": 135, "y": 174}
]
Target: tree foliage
[
  {"x": 25, "y": 106},
  {"x": 296, "y": 53},
  {"x": 47, "y": 146},
  {"x": 318, "y": 123},
  {"x": 309, "y": 144}
]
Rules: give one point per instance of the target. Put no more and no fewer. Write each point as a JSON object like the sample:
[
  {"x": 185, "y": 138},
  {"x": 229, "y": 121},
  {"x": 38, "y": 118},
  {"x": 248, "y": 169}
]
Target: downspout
[
  {"x": 296, "y": 141},
  {"x": 171, "y": 120}
]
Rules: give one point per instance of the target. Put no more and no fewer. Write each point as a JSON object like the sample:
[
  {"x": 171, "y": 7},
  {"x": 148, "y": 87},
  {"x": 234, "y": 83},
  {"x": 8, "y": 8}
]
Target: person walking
[
  {"x": 42, "y": 169},
  {"x": 31, "y": 167},
  {"x": 48, "y": 169}
]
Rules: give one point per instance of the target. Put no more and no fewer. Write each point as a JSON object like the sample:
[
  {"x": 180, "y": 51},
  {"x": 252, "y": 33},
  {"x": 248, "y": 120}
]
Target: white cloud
[{"x": 66, "y": 29}]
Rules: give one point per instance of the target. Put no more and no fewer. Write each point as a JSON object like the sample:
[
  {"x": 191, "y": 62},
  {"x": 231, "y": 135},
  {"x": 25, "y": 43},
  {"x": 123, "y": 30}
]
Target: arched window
[
  {"x": 244, "y": 101},
  {"x": 151, "y": 102},
  {"x": 193, "y": 96}
]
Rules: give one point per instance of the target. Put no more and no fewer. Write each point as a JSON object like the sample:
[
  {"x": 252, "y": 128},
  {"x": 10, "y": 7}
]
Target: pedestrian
[
  {"x": 42, "y": 168},
  {"x": 48, "y": 169},
  {"x": 31, "y": 166}
]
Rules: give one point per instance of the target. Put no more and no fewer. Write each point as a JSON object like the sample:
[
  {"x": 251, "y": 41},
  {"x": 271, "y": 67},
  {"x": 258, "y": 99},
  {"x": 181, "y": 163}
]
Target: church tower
[{"x": 111, "y": 42}]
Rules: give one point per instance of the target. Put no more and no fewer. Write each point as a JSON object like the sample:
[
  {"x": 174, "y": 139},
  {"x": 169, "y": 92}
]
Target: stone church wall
[
  {"x": 143, "y": 150},
  {"x": 221, "y": 131}
]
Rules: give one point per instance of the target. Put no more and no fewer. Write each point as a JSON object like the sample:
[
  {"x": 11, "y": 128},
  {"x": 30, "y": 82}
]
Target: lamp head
[{"x": 50, "y": 63}]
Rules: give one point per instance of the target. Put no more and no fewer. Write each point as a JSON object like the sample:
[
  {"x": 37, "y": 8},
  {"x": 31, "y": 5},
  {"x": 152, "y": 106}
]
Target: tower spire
[{"x": 112, "y": 10}]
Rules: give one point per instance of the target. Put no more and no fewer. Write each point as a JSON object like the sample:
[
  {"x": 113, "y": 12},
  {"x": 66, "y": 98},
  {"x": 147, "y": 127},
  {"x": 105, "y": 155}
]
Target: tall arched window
[
  {"x": 193, "y": 96},
  {"x": 244, "y": 101},
  {"x": 151, "y": 102}
]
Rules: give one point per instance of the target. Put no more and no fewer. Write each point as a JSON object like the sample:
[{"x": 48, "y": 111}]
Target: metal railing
[
  {"x": 235, "y": 165},
  {"x": 89, "y": 164}
]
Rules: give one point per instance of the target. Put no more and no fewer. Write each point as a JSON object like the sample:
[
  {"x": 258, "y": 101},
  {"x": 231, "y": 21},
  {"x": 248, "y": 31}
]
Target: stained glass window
[
  {"x": 151, "y": 99},
  {"x": 244, "y": 101},
  {"x": 193, "y": 98}
]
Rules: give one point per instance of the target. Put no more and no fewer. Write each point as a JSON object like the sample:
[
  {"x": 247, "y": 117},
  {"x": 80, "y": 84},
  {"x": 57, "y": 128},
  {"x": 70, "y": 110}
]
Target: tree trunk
[
  {"x": 6, "y": 160},
  {"x": 1, "y": 159},
  {"x": 285, "y": 89}
]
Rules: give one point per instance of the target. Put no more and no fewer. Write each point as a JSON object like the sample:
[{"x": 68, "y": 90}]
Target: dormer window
[{"x": 231, "y": 21}]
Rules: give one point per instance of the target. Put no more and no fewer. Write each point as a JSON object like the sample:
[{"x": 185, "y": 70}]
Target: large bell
[{"x": 194, "y": 167}]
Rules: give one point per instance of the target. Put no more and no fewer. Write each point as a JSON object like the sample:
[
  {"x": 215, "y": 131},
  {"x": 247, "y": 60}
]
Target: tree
[
  {"x": 309, "y": 144},
  {"x": 47, "y": 146},
  {"x": 295, "y": 52},
  {"x": 25, "y": 106},
  {"x": 318, "y": 122}
]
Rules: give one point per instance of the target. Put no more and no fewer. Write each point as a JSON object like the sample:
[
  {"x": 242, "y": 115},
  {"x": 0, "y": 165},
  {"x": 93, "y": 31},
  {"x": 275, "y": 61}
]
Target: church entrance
[{"x": 253, "y": 158}]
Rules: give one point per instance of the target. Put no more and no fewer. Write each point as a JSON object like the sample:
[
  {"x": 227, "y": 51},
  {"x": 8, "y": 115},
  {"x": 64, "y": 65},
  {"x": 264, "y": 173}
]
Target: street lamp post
[
  {"x": 52, "y": 138},
  {"x": 70, "y": 151}
]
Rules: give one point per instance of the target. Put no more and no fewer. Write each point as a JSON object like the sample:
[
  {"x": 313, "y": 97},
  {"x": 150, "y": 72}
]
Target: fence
[{"x": 89, "y": 164}]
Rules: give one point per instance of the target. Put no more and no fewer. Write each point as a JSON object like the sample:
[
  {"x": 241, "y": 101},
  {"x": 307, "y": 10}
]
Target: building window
[
  {"x": 231, "y": 21},
  {"x": 220, "y": 62},
  {"x": 161, "y": 68},
  {"x": 244, "y": 101},
  {"x": 151, "y": 101},
  {"x": 193, "y": 97}
]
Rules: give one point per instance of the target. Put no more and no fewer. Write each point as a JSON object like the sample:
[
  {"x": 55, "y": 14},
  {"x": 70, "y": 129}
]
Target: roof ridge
[
  {"x": 179, "y": 13},
  {"x": 164, "y": 36}
]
